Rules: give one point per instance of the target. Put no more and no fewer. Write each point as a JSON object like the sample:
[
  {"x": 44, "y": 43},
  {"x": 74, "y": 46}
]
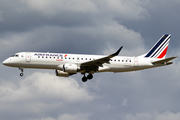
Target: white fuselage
[
  {"x": 69, "y": 64},
  {"x": 56, "y": 60}
]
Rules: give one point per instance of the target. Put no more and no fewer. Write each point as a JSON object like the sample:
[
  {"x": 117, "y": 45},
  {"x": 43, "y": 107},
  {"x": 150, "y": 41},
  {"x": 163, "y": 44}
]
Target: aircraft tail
[{"x": 160, "y": 48}]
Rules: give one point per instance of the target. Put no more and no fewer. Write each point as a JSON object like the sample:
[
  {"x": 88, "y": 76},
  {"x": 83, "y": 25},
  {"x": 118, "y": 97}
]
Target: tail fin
[{"x": 160, "y": 48}]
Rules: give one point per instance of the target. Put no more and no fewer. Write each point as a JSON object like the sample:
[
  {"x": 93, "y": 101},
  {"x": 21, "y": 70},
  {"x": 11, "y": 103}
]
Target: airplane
[{"x": 66, "y": 65}]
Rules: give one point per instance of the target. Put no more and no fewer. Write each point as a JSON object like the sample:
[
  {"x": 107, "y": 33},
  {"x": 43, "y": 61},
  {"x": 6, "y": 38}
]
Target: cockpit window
[{"x": 16, "y": 55}]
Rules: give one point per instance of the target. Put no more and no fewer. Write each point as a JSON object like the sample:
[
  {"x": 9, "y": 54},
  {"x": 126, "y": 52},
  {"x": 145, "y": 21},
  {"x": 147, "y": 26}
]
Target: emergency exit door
[
  {"x": 28, "y": 57},
  {"x": 135, "y": 62}
]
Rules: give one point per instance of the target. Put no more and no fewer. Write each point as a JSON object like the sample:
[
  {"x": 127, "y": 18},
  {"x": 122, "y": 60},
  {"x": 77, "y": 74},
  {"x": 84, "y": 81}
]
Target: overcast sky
[{"x": 89, "y": 27}]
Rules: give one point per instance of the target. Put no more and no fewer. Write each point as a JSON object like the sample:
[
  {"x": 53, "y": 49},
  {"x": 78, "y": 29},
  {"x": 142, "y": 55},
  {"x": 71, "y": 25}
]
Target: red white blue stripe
[{"x": 160, "y": 48}]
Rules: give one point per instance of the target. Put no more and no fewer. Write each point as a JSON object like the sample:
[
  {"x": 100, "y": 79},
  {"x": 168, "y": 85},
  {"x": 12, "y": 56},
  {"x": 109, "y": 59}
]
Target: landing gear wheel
[
  {"x": 21, "y": 74},
  {"x": 84, "y": 79},
  {"x": 90, "y": 76},
  {"x": 22, "y": 69}
]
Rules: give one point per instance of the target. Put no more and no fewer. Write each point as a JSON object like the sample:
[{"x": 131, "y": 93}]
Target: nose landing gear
[
  {"x": 22, "y": 69},
  {"x": 21, "y": 74}
]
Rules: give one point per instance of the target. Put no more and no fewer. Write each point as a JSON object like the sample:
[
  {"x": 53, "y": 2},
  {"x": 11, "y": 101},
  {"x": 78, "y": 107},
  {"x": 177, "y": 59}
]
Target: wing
[
  {"x": 94, "y": 64},
  {"x": 164, "y": 61}
]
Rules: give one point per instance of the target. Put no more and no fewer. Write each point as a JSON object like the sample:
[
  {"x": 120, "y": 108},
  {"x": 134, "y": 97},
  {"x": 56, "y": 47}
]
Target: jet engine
[
  {"x": 70, "y": 68},
  {"x": 61, "y": 73}
]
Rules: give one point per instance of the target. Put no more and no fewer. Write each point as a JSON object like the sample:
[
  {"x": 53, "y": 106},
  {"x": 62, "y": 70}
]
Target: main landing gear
[
  {"x": 90, "y": 76},
  {"x": 21, "y": 74}
]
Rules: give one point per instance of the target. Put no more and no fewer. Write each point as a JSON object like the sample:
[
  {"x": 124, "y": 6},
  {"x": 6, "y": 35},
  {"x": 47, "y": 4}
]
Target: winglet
[{"x": 116, "y": 53}]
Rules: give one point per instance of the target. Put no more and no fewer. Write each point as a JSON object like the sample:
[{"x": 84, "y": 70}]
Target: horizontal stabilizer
[{"x": 164, "y": 61}]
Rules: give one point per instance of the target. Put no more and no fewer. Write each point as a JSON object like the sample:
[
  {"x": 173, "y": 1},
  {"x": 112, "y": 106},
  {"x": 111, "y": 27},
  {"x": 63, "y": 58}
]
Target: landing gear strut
[
  {"x": 21, "y": 74},
  {"x": 90, "y": 76}
]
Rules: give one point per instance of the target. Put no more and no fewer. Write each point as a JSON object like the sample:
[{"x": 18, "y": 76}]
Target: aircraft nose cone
[{"x": 5, "y": 62}]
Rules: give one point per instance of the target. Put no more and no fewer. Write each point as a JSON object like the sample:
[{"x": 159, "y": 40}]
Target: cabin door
[
  {"x": 28, "y": 57},
  {"x": 135, "y": 62}
]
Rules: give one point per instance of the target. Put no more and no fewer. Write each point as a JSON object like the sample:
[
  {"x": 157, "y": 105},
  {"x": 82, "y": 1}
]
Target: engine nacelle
[
  {"x": 70, "y": 68},
  {"x": 61, "y": 73}
]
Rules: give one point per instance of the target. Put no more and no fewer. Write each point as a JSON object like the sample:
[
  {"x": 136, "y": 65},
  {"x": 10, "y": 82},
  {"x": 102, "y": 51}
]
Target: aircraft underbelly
[{"x": 118, "y": 68}]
